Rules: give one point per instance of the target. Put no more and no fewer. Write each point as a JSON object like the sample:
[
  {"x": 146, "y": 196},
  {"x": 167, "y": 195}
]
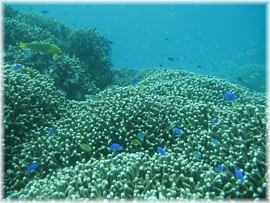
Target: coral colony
[{"x": 157, "y": 138}]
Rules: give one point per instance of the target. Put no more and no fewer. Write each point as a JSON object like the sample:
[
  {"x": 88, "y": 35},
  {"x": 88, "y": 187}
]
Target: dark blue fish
[
  {"x": 50, "y": 131},
  {"x": 161, "y": 150},
  {"x": 219, "y": 168},
  {"x": 178, "y": 131},
  {"x": 132, "y": 70},
  {"x": 17, "y": 66},
  {"x": 32, "y": 167},
  {"x": 239, "y": 174},
  {"x": 134, "y": 81},
  {"x": 115, "y": 147},
  {"x": 76, "y": 76},
  {"x": 215, "y": 142},
  {"x": 229, "y": 96},
  {"x": 213, "y": 121}
]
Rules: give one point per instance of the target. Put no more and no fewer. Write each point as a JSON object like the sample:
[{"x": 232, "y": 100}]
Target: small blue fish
[
  {"x": 239, "y": 174},
  {"x": 161, "y": 150},
  {"x": 134, "y": 81},
  {"x": 76, "y": 76},
  {"x": 50, "y": 131},
  {"x": 229, "y": 96},
  {"x": 178, "y": 131},
  {"x": 213, "y": 121},
  {"x": 215, "y": 142},
  {"x": 27, "y": 53},
  {"x": 198, "y": 154},
  {"x": 141, "y": 136},
  {"x": 219, "y": 168},
  {"x": 115, "y": 147},
  {"x": 78, "y": 94},
  {"x": 17, "y": 66},
  {"x": 32, "y": 167},
  {"x": 132, "y": 70}
]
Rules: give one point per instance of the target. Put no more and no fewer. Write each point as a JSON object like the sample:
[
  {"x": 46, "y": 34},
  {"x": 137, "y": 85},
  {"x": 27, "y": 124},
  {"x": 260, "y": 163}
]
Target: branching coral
[{"x": 140, "y": 172}]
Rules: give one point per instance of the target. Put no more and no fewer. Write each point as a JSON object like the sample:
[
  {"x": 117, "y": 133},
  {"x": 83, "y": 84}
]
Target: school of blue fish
[{"x": 115, "y": 147}]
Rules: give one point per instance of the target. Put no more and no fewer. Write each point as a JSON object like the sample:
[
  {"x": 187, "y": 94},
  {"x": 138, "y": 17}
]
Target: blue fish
[
  {"x": 229, "y": 96},
  {"x": 178, "y": 131},
  {"x": 17, "y": 66},
  {"x": 161, "y": 150},
  {"x": 76, "y": 76},
  {"x": 198, "y": 154},
  {"x": 213, "y": 121},
  {"x": 27, "y": 53},
  {"x": 219, "y": 168},
  {"x": 239, "y": 174},
  {"x": 115, "y": 147},
  {"x": 215, "y": 142},
  {"x": 32, "y": 167},
  {"x": 134, "y": 81},
  {"x": 78, "y": 94},
  {"x": 50, "y": 131},
  {"x": 141, "y": 136},
  {"x": 132, "y": 70}
]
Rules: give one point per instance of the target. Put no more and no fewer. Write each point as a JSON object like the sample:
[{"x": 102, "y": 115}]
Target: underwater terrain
[{"x": 78, "y": 128}]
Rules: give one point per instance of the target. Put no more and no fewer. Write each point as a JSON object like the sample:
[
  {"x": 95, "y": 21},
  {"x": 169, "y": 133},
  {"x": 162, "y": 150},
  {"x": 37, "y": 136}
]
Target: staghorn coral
[{"x": 139, "y": 172}]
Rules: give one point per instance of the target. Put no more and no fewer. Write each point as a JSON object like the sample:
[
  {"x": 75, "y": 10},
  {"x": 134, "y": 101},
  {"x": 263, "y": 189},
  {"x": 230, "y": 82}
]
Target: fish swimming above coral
[
  {"x": 136, "y": 142},
  {"x": 213, "y": 121},
  {"x": 116, "y": 147},
  {"x": 141, "y": 136},
  {"x": 17, "y": 66},
  {"x": 219, "y": 168},
  {"x": 178, "y": 131},
  {"x": 215, "y": 142},
  {"x": 229, "y": 96},
  {"x": 42, "y": 47},
  {"x": 50, "y": 130},
  {"x": 170, "y": 127},
  {"x": 239, "y": 174},
  {"x": 134, "y": 81},
  {"x": 86, "y": 147},
  {"x": 161, "y": 150},
  {"x": 32, "y": 167}
]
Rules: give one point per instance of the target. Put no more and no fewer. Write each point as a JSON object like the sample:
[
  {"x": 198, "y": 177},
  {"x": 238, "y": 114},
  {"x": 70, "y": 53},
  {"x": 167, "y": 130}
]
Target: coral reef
[
  {"x": 93, "y": 49},
  {"x": 30, "y": 27},
  {"x": 169, "y": 97},
  {"x": 84, "y": 52},
  {"x": 31, "y": 101}
]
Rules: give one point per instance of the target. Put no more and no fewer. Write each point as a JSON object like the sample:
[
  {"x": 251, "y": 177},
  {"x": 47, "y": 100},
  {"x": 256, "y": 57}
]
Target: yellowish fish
[
  {"x": 55, "y": 57},
  {"x": 141, "y": 86},
  {"x": 136, "y": 142},
  {"x": 86, "y": 147},
  {"x": 170, "y": 127},
  {"x": 42, "y": 47}
]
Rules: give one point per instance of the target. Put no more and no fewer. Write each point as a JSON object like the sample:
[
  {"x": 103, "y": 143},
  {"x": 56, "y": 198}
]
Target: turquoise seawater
[{"x": 213, "y": 39}]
